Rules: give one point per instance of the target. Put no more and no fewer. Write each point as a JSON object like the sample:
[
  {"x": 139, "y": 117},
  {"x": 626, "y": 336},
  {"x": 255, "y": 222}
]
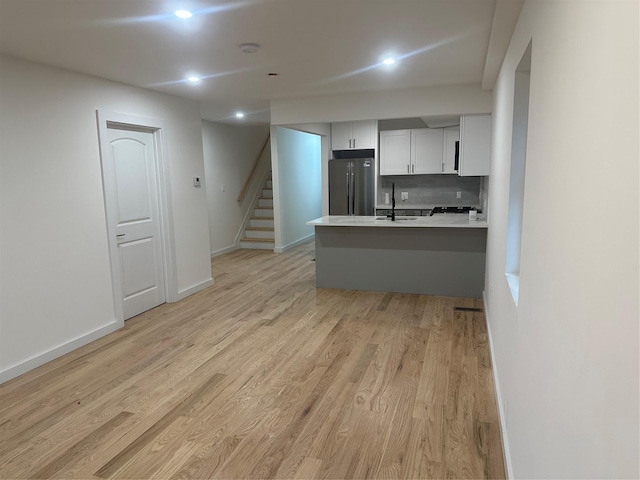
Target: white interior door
[{"x": 131, "y": 187}]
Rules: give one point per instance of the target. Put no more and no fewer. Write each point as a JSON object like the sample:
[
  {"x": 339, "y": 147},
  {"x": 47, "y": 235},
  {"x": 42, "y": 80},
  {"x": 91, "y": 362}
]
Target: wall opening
[{"x": 517, "y": 175}]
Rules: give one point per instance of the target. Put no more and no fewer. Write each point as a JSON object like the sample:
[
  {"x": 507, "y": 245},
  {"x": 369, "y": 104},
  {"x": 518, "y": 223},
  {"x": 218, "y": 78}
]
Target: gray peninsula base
[{"x": 433, "y": 261}]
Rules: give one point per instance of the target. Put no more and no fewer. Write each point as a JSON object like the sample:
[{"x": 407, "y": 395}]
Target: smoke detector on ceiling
[{"x": 249, "y": 47}]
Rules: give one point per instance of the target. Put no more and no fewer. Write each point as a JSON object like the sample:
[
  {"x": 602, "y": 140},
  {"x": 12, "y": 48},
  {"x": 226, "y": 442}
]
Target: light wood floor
[{"x": 264, "y": 376}]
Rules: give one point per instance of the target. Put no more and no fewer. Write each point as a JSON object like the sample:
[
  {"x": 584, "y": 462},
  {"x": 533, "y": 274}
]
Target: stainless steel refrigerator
[{"x": 351, "y": 186}]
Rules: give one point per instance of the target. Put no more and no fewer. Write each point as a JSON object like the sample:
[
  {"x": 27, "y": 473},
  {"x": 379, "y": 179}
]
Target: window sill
[{"x": 513, "y": 280}]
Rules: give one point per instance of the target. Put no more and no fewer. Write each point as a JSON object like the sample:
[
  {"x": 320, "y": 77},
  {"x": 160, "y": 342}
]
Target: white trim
[
  {"x": 501, "y": 411},
  {"x": 158, "y": 128},
  {"x": 194, "y": 289},
  {"x": 275, "y": 185},
  {"x": 222, "y": 251},
  {"x": 42, "y": 358},
  {"x": 294, "y": 244}
]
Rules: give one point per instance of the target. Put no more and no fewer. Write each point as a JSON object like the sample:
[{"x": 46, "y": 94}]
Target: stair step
[
  {"x": 261, "y": 222},
  {"x": 260, "y": 240},
  {"x": 269, "y": 183},
  {"x": 257, "y": 243},
  {"x": 265, "y": 202},
  {"x": 260, "y": 232},
  {"x": 267, "y": 193},
  {"x": 263, "y": 212}
]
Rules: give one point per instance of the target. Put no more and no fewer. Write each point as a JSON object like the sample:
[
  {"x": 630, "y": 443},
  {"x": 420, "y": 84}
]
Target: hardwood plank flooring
[{"x": 264, "y": 376}]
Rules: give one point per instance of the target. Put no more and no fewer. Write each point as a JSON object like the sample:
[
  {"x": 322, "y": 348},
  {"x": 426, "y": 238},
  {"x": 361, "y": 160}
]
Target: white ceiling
[{"x": 316, "y": 46}]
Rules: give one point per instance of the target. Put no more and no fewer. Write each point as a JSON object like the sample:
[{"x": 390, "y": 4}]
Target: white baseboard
[
  {"x": 194, "y": 289},
  {"x": 503, "y": 418},
  {"x": 45, "y": 357},
  {"x": 294, "y": 244},
  {"x": 222, "y": 251}
]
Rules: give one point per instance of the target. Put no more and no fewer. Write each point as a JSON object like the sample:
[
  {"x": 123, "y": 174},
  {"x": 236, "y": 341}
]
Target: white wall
[
  {"x": 415, "y": 102},
  {"x": 229, "y": 154},
  {"x": 55, "y": 283},
  {"x": 324, "y": 130},
  {"x": 297, "y": 184},
  {"x": 567, "y": 356}
]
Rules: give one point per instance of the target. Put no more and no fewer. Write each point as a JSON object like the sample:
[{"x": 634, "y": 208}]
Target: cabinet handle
[
  {"x": 408, "y": 168},
  {"x": 413, "y": 169},
  {"x": 354, "y": 143}
]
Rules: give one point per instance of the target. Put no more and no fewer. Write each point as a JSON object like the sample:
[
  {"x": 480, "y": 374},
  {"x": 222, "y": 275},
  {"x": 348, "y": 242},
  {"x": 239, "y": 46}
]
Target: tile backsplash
[{"x": 432, "y": 190}]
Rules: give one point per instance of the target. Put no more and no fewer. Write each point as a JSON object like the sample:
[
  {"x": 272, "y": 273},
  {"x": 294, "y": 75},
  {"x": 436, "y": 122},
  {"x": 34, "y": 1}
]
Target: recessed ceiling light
[
  {"x": 239, "y": 115},
  {"x": 183, "y": 14},
  {"x": 249, "y": 47},
  {"x": 389, "y": 61},
  {"x": 193, "y": 79}
]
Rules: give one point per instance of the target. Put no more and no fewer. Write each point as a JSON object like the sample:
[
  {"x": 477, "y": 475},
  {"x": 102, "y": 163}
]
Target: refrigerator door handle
[
  {"x": 348, "y": 190},
  {"x": 353, "y": 194}
]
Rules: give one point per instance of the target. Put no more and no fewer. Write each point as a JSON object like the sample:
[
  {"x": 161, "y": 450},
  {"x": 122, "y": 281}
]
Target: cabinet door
[
  {"x": 451, "y": 136},
  {"x": 341, "y": 136},
  {"x": 426, "y": 150},
  {"x": 395, "y": 152},
  {"x": 475, "y": 145},
  {"x": 364, "y": 134}
]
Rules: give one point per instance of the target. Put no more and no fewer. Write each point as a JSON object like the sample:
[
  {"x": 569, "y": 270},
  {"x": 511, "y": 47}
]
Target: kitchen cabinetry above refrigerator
[
  {"x": 354, "y": 135},
  {"x": 411, "y": 152}
]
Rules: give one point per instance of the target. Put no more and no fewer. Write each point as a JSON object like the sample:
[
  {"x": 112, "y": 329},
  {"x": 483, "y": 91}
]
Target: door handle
[
  {"x": 120, "y": 235},
  {"x": 348, "y": 189}
]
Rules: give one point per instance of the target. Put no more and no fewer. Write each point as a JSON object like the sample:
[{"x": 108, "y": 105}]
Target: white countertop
[{"x": 449, "y": 220}]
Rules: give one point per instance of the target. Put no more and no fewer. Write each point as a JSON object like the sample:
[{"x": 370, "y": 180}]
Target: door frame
[{"x": 157, "y": 127}]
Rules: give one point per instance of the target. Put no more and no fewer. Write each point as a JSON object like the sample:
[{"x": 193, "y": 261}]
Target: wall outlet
[
  {"x": 404, "y": 195},
  {"x": 458, "y": 194},
  {"x": 196, "y": 181},
  {"x": 223, "y": 188}
]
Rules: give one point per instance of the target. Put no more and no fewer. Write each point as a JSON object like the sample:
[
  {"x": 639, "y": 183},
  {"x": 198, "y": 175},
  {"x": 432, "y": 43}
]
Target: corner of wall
[{"x": 504, "y": 434}]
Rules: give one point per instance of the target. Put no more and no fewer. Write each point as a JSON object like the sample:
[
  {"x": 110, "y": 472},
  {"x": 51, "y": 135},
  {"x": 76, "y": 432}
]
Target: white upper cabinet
[
  {"x": 475, "y": 145},
  {"x": 426, "y": 150},
  {"x": 395, "y": 152},
  {"x": 450, "y": 144},
  {"x": 354, "y": 135},
  {"x": 411, "y": 152}
]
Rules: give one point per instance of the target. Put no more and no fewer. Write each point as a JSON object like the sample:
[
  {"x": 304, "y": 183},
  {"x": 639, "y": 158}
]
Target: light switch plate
[{"x": 196, "y": 181}]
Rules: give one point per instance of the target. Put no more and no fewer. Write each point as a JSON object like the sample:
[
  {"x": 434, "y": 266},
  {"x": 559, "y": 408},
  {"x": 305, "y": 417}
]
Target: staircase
[{"x": 260, "y": 234}]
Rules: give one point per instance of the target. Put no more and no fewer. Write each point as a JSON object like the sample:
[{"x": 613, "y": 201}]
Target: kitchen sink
[{"x": 398, "y": 219}]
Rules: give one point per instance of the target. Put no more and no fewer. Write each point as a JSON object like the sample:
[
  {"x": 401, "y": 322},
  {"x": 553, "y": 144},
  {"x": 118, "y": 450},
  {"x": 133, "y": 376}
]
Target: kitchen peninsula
[{"x": 435, "y": 255}]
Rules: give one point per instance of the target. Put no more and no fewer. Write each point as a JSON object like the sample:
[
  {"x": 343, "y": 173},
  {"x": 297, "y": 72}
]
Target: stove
[{"x": 450, "y": 210}]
